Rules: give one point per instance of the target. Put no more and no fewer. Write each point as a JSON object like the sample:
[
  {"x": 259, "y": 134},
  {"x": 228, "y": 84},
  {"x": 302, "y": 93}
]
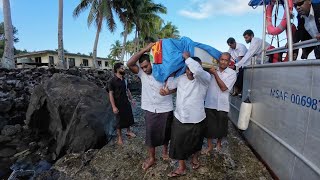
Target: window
[
  {"x": 99, "y": 63},
  {"x": 51, "y": 61},
  {"x": 38, "y": 59},
  {"x": 72, "y": 62},
  {"x": 85, "y": 62},
  {"x": 106, "y": 64}
]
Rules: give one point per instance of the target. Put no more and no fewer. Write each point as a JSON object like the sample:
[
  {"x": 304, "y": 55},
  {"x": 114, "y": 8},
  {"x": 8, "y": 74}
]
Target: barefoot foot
[{"x": 147, "y": 164}]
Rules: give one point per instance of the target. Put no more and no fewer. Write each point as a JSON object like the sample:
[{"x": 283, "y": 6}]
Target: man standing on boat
[
  {"x": 237, "y": 52},
  {"x": 308, "y": 25},
  {"x": 119, "y": 95},
  {"x": 217, "y": 102},
  {"x": 158, "y": 108},
  {"x": 188, "y": 125},
  {"x": 255, "y": 50}
]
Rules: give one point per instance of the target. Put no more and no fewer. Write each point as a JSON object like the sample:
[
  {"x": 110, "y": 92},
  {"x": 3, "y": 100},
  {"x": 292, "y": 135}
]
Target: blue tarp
[
  {"x": 260, "y": 2},
  {"x": 172, "y": 60}
]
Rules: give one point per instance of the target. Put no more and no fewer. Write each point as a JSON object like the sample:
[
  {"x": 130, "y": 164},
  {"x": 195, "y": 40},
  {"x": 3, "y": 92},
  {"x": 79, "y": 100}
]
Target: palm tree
[
  {"x": 61, "y": 63},
  {"x": 146, "y": 12},
  {"x": 169, "y": 31},
  {"x": 115, "y": 50},
  {"x": 126, "y": 13},
  {"x": 8, "y": 55},
  {"x": 100, "y": 10},
  {"x": 127, "y": 30}
]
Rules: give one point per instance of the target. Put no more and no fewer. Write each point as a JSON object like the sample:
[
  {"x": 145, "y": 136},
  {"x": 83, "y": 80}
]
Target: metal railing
[{"x": 303, "y": 44}]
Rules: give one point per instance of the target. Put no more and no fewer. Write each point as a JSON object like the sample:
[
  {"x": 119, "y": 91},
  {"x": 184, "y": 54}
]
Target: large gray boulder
[{"x": 74, "y": 111}]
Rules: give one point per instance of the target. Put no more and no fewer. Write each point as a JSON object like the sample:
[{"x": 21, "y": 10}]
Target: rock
[
  {"x": 73, "y": 71},
  {"x": 42, "y": 144},
  {"x": 33, "y": 146},
  {"x": 4, "y": 139},
  {"x": 3, "y": 122},
  {"x": 5, "y": 87},
  {"x": 5, "y": 105},
  {"x": 18, "y": 127},
  {"x": 20, "y": 104},
  {"x": 17, "y": 118},
  {"x": 7, "y": 152},
  {"x": 22, "y": 153},
  {"x": 19, "y": 86},
  {"x": 11, "y": 82},
  {"x": 3, "y": 95},
  {"x": 9, "y": 130},
  {"x": 19, "y": 75},
  {"x": 77, "y": 113},
  {"x": 27, "y": 71},
  {"x": 25, "y": 127},
  {"x": 52, "y": 174}
]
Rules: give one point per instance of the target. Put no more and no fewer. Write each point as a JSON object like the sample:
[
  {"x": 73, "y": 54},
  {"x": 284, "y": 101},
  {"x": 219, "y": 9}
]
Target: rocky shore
[
  {"x": 20, "y": 146},
  {"x": 234, "y": 161},
  {"x": 30, "y": 97}
]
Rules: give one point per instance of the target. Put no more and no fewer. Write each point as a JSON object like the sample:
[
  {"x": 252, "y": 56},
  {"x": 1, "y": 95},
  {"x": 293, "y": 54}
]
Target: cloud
[{"x": 202, "y": 9}]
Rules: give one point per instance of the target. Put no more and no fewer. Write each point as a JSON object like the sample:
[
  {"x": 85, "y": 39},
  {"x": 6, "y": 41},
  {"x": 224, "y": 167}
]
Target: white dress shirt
[
  {"x": 217, "y": 99},
  {"x": 255, "y": 49},
  {"x": 310, "y": 24},
  {"x": 240, "y": 50},
  {"x": 191, "y": 94},
  {"x": 151, "y": 100}
]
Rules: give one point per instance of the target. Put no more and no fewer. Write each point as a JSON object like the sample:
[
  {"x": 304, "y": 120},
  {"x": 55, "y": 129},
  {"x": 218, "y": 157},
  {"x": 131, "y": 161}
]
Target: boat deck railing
[{"x": 302, "y": 44}]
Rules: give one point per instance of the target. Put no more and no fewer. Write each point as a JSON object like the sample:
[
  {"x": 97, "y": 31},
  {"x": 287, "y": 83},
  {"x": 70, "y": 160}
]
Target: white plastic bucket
[{"x": 244, "y": 115}]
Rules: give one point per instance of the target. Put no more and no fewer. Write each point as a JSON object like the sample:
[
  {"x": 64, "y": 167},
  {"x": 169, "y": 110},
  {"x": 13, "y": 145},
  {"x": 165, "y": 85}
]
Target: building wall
[{"x": 78, "y": 60}]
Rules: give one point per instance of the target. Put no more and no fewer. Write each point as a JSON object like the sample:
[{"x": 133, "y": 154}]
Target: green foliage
[
  {"x": 115, "y": 51},
  {"x": 2, "y": 38}
]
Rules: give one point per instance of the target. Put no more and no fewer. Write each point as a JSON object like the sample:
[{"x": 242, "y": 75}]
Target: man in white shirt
[
  {"x": 158, "y": 108},
  {"x": 217, "y": 102},
  {"x": 255, "y": 50},
  {"x": 188, "y": 126},
  {"x": 308, "y": 25},
  {"x": 237, "y": 52}
]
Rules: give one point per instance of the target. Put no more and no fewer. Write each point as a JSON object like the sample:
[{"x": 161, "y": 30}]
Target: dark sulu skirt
[
  {"x": 158, "y": 128},
  {"x": 186, "y": 139},
  {"x": 125, "y": 116},
  {"x": 216, "y": 124}
]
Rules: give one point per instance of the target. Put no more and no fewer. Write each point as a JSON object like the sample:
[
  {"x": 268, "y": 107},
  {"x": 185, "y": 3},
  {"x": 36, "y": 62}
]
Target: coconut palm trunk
[
  {"x": 123, "y": 51},
  {"x": 8, "y": 54},
  {"x": 61, "y": 63},
  {"x": 137, "y": 41},
  {"x": 95, "y": 46}
]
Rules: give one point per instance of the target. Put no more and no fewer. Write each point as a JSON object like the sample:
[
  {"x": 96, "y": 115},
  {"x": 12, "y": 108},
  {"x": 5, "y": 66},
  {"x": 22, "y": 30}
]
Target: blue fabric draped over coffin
[{"x": 172, "y": 60}]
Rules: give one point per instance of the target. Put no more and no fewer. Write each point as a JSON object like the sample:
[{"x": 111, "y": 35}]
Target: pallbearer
[
  {"x": 188, "y": 125},
  {"x": 158, "y": 108},
  {"x": 217, "y": 101}
]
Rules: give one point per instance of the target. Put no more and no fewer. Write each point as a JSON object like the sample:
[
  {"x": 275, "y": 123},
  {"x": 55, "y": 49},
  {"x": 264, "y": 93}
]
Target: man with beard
[
  {"x": 255, "y": 50},
  {"x": 119, "y": 95},
  {"x": 157, "y": 106},
  {"x": 188, "y": 125}
]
